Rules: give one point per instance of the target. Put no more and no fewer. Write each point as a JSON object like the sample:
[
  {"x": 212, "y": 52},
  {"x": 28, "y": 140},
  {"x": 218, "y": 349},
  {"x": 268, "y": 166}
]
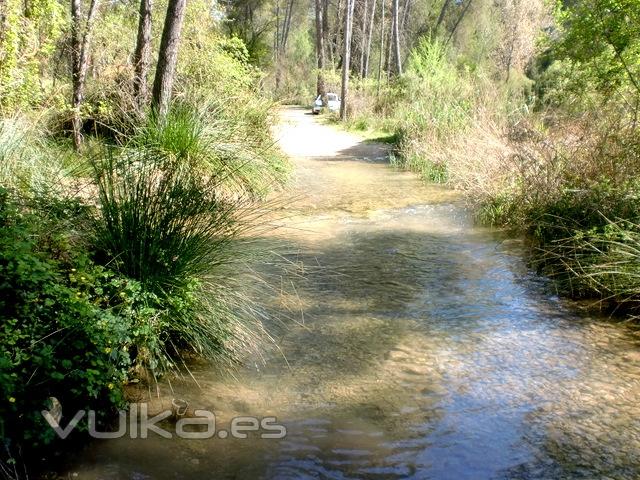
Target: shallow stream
[{"x": 424, "y": 349}]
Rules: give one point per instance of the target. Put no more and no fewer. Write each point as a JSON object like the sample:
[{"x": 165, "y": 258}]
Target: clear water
[{"x": 424, "y": 349}]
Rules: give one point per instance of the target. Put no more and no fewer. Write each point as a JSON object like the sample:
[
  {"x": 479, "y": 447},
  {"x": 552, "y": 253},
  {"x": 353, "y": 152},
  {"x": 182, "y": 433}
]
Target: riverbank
[
  {"x": 120, "y": 260},
  {"x": 569, "y": 185}
]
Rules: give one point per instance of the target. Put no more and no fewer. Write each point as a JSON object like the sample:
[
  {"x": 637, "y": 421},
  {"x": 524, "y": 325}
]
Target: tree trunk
[
  {"x": 405, "y": 14},
  {"x": 396, "y": 37},
  {"x": 363, "y": 39},
  {"x": 276, "y": 40},
  {"x": 326, "y": 31},
  {"x": 142, "y": 54},
  {"x": 455, "y": 26},
  {"x": 443, "y": 12},
  {"x": 321, "y": 88},
  {"x": 337, "y": 35},
  {"x": 276, "y": 47},
  {"x": 403, "y": 29},
  {"x": 381, "y": 46},
  {"x": 388, "y": 65},
  {"x": 346, "y": 57},
  {"x": 286, "y": 27},
  {"x": 367, "y": 55},
  {"x": 168, "y": 56},
  {"x": 80, "y": 41}
]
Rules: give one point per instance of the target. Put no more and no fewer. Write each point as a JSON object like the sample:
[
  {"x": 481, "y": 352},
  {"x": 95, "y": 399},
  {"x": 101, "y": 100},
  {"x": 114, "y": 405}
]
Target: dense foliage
[
  {"x": 29, "y": 36},
  {"x": 123, "y": 256},
  {"x": 66, "y": 322}
]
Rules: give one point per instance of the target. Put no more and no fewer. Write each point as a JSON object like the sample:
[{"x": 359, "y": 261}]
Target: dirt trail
[{"x": 338, "y": 170}]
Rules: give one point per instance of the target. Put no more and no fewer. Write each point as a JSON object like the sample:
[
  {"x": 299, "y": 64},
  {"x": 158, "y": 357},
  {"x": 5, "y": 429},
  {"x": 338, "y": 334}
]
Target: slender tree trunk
[
  {"x": 321, "y": 89},
  {"x": 276, "y": 45},
  {"x": 142, "y": 54},
  {"x": 168, "y": 56},
  {"x": 287, "y": 26},
  {"x": 404, "y": 38},
  {"x": 348, "y": 21},
  {"x": 382, "y": 30},
  {"x": 326, "y": 30},
  {"x": 455, "y": 26},
  {"x": 443, "y": 12},
  {"x": 405, "y": 14},
  {"x": 81, "y": 30},
  {"x": 388, "y": 65},
  {"x": 363, "y": 39},
  {"x": 276, "y": 41},
  {"x": 367, "y": 55},
  {"x": 338, "y": 34},
  {"x": 76, "y": 62},
  {"x": 396, "y": 37}
]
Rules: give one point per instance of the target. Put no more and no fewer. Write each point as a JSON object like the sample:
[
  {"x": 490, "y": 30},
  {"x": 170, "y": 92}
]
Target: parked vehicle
[{"x": 333, "y": 103}]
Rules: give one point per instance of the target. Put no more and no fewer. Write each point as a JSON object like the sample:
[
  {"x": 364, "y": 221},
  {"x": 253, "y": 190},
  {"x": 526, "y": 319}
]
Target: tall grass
[
  {"x": 24, "y": 164},
  {"x": 575, "y": 190},
  {"x": 598, "y": 263},
  {"x": 176, "y": 231},
  {"x": 437, "y": 112},
  {"x": 161, "y": 221},
  {"x": 215, "y": 142}
]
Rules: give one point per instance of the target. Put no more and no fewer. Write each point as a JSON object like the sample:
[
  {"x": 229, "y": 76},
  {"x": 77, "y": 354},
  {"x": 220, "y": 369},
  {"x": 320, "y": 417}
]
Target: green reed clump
[
  {"x": 25, "y": 163},
  {"x": 166, "y": 224},
  {"x": 215, "y": 142},
  {"x": 599, "y": 263}
]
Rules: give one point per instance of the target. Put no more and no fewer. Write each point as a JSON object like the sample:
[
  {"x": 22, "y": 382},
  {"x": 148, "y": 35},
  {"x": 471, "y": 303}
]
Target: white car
[{"x": 333, "y": 103}]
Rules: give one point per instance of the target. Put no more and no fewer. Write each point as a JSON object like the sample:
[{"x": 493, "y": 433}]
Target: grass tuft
[{"x": 166, "y": 225}]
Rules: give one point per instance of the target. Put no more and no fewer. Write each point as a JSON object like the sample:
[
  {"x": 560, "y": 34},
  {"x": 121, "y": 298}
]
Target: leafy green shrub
[
  {"x": 601, "y": 41},
  {"x": 59, "y": 335}
]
